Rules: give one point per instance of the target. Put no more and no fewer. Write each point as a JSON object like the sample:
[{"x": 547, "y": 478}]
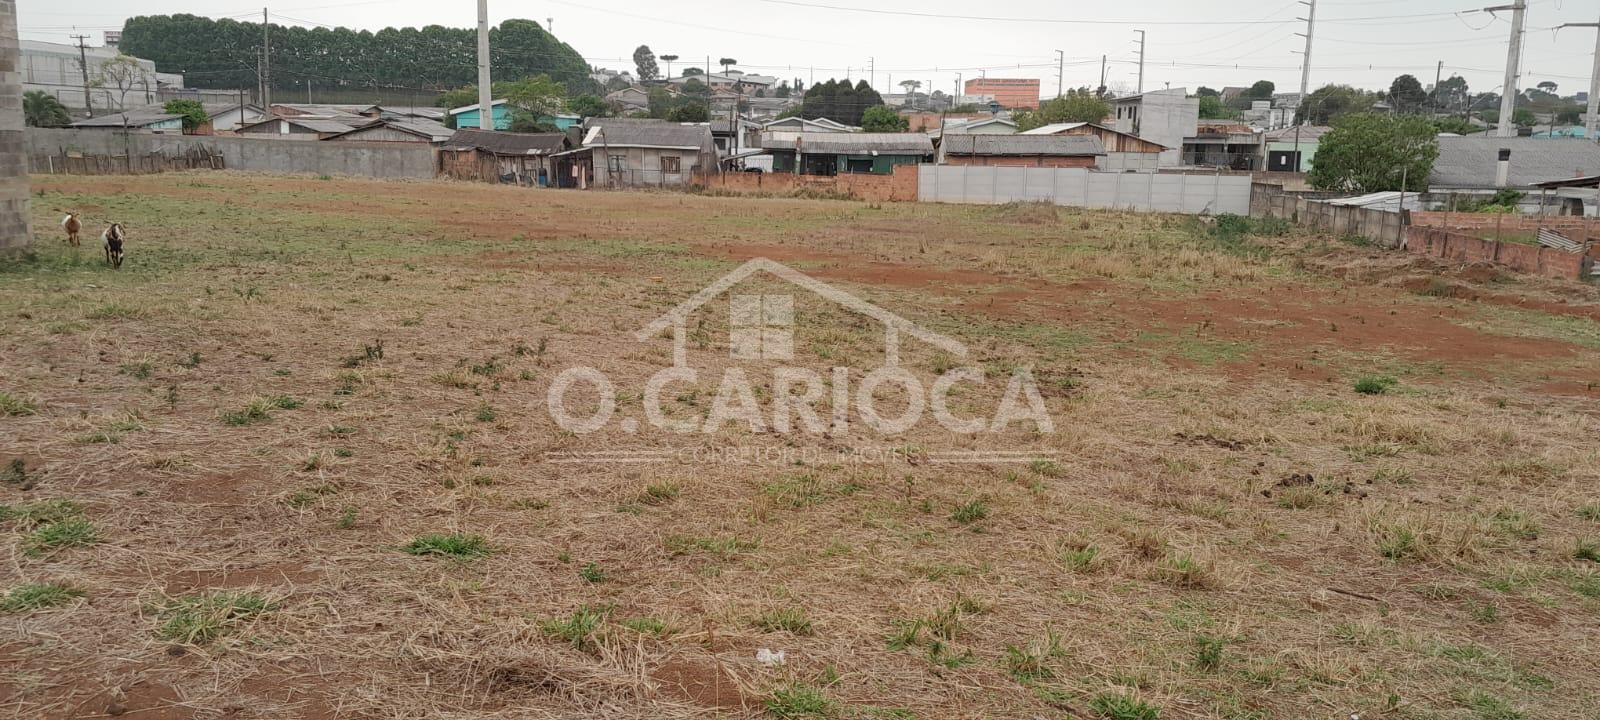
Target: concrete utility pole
[
  {"x": 485, "y": 90},
  {"x": 1141, "y": 60},
  {"x": 14, "y": 233},
  {"x": 1508, "y": 96},
  {"x": 1101, "y": 91},
  {"x": 1594, "y": 81},
  {"x": 266, "y": 63},
  {"x": 1061, "y": 71},
  {"x": 1304, "y": 108},
  {"x": 872, "y": 72},
  {"x": 83, "y": 64}
]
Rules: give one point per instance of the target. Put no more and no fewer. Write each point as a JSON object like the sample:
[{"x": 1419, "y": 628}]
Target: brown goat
[{"x": 72, "y": 226}]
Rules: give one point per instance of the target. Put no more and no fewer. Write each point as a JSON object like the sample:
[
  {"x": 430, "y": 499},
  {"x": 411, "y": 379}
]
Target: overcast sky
[{"x": 1223, "y": 42}]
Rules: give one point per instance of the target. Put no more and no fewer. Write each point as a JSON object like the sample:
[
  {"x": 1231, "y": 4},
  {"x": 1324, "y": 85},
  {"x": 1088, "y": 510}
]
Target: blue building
[{"x": 467, "y": 117}]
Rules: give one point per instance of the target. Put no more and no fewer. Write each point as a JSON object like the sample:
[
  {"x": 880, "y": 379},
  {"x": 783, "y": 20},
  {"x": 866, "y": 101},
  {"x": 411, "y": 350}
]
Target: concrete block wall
[
  {"x": 899, "y": 186},
  {"x": 1447, "y": 245},
  {"x": 1376, "y": 226},
  {"x": 1148, "y": 192},
  {"x": 1577, "y": 227},
  {"x": 376, "y": 159}
]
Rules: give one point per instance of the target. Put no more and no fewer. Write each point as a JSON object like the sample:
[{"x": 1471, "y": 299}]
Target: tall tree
[
  {"x": 1204, "y": 91},
  {"x": 668, "y": 60},
  {"x": 839, "y": 100},
  {"x": 1369, "y": 152},
  {"x": 880, "y": 118},
  {"x": 1212, "y": 108},
  {"x": 194, "y": 114},
  {"x": 1261, "y": 90},
  {"x": 1450, "y": 94},
  {"x": 1407, "y": 94},
  {"x": 1325, "y": 104},
  {"x": 224, "y": 52},
  {"x": 123, "y": 73},
  {"x": 1078, "y": 105},
  {"x": 727, "y": 63},
  {"x": 644, "y": 62}
]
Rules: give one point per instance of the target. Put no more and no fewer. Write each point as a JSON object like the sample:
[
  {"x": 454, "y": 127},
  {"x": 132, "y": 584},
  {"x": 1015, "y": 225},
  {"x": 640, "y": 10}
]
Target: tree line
[{"x": 223, "y": 54}]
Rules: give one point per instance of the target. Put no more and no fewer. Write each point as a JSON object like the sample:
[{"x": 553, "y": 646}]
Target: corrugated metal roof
[
  {"x": 832, "y": 143},
  {"x": 321, "y": 125},
  {"x": 432, "y": 131},
  {"x": 1053, "y": 128},
  {"x": 659, "y": 134},
  {"x": 1307, "y": 133},
  {"x": 1056, "y": 145},
  {"x": 1469, "y": 162},
  {"x": 507, "y": 143}
]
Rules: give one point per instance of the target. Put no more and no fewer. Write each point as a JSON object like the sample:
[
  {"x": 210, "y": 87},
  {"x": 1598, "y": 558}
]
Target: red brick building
[{"x": 1009, "y": 92}]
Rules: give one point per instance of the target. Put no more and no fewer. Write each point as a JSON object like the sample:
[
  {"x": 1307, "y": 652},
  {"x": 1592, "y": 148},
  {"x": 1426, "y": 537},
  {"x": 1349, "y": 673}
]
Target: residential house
[
  {"x": 528, "y": 159},
  {"x": 1470, "y": 164},
  {"x": 1293, "y": 149},
  {"x": 1124, "y": 151},
  {"x": 1263, "y": 116},
  {"x": 624, "y": 152},
  {"x": 324, "y": 110},
  {"x": 399, "y": 112},
  {"x": 150, "y": 118},
  {"x": 931, "y": 121},
  {"x": 1233, "y": 146},
  {"x": 831, "y": 153},
  {"x": 467, "y": 116},
  {"x": 226, "y": 118},
  {"x": 978, "y": 126},
  {"x": 1009, "y": 92},
  {"x": 630, "y": 99},
  {"x": 301, "y": 128},
  {"x": 409, "y": 130},
  {"x": 733, "y": 80},
  {"x": 800, "y": 124},
  {"x": 1050, "y": 151},
  {"x": 1164, "y": 117}
]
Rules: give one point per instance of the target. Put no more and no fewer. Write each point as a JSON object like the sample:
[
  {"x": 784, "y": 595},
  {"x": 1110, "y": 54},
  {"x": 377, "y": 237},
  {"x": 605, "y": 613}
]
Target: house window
[
  {"x": 670, "y": 165},
  {"x": 761, "y": 327},
  {"x": 617, "y": 163}
]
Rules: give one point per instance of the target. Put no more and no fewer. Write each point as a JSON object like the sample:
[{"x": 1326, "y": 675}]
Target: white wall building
[
  {"x": 56, "y": 69},
  {"x": 1165, "y": 117}
]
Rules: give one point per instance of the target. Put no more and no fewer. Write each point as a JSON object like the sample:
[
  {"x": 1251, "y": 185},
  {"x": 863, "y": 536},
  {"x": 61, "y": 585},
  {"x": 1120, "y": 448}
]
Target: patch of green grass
[
  {"x": 1208, "y": 652},
  {"x": 202, "y": 618},
  {"x": 790, "y": 620},
  {"x": 192, "y": 361},
  {"x": 800, "y": 491},
  {"x": 1375, "y": 384},
  {"x": 659, "y": 493},
  {"x": 1488, "y": 707},
  {"x": 1586, "y": 584},
  {"x": 578, "y": 628},
  {"x": 1397, "y": 542},
  {"x": 115, "y": 311},
  {"x": 58, "y": 535},
  {"x": 591, "y": 573},
  {"x": 306, "y": 496},
  {"x": 1116, "y": 706},
  {"x": 485, "y": 413},
  {"x": 139, "y": 370},
  {"x": 37, "y": 596},
  {"x": 970, "y": 512},
  {"x": 347, "y": 519},
  {"x": 799, "y": 701},
  {"x": 1586, "y": 550},
  {"x": 653, "y": 627},
  {"x": 1029, "y": 665},
  {"x": 455, "y": 545},
  {"x": 1529, "y": 323},
  {"x": 16, "y": 405},
  {"x": 1080, "y": 558},
  {"x": 1590, "y": 512}
]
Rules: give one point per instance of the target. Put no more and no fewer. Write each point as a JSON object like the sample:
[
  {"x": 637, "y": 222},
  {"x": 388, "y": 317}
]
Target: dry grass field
[{"x": 294, "y": 461}]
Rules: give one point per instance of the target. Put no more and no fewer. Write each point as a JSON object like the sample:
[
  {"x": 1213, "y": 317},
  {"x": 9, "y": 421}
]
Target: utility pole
[
  {"x": 550, "y": 25},
  {"x": 957, "y": 100},
  {"x": 83, "y": 64},
  {"x": 1508, "y": 96},
  {"x": 872, "y": 72},
  {"x": 1101, "y": 91},
  {"x": 1594, "y": 81},
  {"x": 485, "y": 88},
  {"x": 1304, "y": 108},
  {"x": 1141, "y": 60},
  {"x": 1438, "y": 77},
  {"x": 14, "y": 232},
  {"x": 266, "y": 62},
  {"x": 1061, "y": 68}
]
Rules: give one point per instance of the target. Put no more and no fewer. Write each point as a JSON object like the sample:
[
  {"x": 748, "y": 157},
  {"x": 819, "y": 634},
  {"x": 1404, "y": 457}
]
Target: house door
[
  {"x": 1283, "y": 161},
  {"x": 858, "y": 165}
]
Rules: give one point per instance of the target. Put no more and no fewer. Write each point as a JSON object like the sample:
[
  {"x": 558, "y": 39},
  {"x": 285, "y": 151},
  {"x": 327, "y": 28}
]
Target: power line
[{"x": 1087, "y": 21}]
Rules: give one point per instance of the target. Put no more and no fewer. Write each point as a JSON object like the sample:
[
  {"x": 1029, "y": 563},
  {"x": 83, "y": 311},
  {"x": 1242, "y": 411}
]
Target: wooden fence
[{"x": 75, "y": 163}]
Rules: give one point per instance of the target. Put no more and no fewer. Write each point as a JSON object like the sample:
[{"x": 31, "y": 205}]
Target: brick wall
[
  {"x": 1507, "y": 223},
  {"x": 1448, "y": 245},
  {"x": 901, "y": 186},
  {"x": 1055, "y": 161}
]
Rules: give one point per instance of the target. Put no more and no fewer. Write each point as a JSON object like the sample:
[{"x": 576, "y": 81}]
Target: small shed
[
  {"x": 153, "y": 118},
  {"x": 648, "y": 153},
  {"x": 502, "y": 157},
  {"x": 467, "y": 116},
  {"x": 1052, "y": 151},
  {"x": 831, "y": 153},
  {"x": 1124, "y": 151}
]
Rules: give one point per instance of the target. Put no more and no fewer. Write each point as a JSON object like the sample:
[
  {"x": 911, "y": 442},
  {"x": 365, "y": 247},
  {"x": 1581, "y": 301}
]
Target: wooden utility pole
[
  {"x": 14, "y": 234},
  {"x": 83, "y": 64}
]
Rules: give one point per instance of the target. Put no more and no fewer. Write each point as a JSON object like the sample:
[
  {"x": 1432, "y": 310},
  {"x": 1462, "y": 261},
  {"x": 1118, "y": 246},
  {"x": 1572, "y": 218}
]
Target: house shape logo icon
[{"x": 762, "y": 326}]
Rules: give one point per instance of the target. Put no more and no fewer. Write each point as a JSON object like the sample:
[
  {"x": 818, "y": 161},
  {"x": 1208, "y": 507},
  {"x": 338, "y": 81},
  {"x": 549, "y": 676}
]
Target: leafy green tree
[
  {"x": 41, "y": 109},
  {"x": 839, "y": 100},
  {"x": 194, "y": 114},
  {"x": 617, "y": 82},
  {"x": 523, "y": 121},
  {"x": 459, "y": 97},
  {"x": 1329, "y": 102},
  {"x": 122, "y": 73},
  {"x": 1261, "y": 90},
  {"x": 1450, "y": 93},
  {"x": 727, "y": 63},
  {"x": 1453, "y": 124},
  {"x": 691, "y": 111},
  {"x": 782, "y": 90},
  {"x": 1078, "y": 105},
  {"x": 1369, "y": 152},
  {"x": 693, "y": 86},
  {"x": 692, "y": 71},
  {"x": 644, "y": 63},
  {"x": 1569, "y": 115},
  {"x": 1523, "y": 117},
  {"x": 881, "y": 118},
  {"x": 538, "y": 96},
  {"x": 1407, "y": 94},
  {"x": 1204, "y": 91},
  {"x": 588, "y": 106},
  {"x": 223, "y": 52},
  {"x": 1212, "y": 108}
]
